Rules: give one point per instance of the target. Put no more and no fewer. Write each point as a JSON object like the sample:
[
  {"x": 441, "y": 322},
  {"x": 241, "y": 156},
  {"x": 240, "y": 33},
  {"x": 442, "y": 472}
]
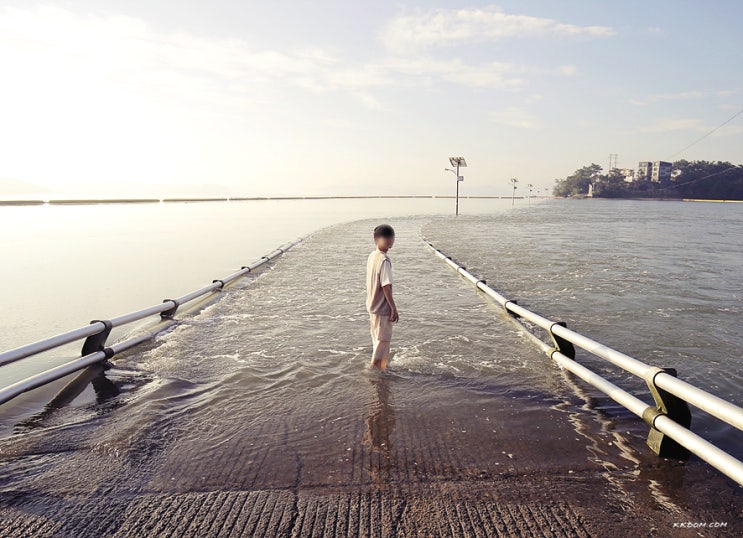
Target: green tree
[
  {"x": 611, "y": 185},
  {"x": 578, "y": 182},
  {"x": 708, "y": 180}
]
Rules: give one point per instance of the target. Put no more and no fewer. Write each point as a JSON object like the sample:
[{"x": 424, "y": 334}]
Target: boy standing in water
[{"x": 379, "y": 301}]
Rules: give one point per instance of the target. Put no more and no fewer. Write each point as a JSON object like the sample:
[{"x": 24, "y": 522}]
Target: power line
[
  {"x": 699, "y": 178},
  {"x": 731, "y": 118}
]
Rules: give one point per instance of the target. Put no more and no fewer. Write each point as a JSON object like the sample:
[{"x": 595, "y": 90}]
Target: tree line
[{"x": 711, "y": 180}]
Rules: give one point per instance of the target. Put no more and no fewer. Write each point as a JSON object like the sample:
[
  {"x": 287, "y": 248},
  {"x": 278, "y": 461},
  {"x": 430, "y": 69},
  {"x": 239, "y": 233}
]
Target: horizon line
[{"x": 150, "y": 200}]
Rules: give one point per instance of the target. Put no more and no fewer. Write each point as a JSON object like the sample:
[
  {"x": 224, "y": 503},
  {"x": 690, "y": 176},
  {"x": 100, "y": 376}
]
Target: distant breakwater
[{"x": 90, "y": 201}]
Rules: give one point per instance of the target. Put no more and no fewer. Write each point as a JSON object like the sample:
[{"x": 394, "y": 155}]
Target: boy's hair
[{"x": 384, "y": 230}]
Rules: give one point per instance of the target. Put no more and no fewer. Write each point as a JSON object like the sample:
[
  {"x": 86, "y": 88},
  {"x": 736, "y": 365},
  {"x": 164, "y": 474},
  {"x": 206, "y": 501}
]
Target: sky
[{"x": 331, "y": 97}]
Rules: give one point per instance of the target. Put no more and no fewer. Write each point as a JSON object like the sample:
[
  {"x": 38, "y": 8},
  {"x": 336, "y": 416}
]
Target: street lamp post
[
  {"x": 513, "y": 195},
  {"x": 457, "y": 161}
]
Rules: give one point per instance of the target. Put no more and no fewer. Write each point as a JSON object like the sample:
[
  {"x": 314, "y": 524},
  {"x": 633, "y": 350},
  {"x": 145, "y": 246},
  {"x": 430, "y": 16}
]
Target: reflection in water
[
  {"x": 94, "y": 375},
  {"x": 104, "y": 388},
  {"x": 379, "y": 426},
  {"x": 632, "y": 485}
]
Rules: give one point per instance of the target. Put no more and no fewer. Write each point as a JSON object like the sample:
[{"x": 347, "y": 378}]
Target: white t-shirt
[{"x": 378, "y": 274}]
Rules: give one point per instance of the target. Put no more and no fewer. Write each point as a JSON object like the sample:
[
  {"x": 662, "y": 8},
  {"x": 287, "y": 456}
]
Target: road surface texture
[{"x": 258, "y": 418}]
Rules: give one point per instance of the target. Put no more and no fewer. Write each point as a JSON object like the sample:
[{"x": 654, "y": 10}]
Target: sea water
[{"x": 660, "y": 281}]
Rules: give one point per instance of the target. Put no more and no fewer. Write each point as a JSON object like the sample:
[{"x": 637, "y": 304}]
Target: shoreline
[
  {"x": 95, "y": 201},
  {"x": 698, "y": 200},
  {"x": 171, "y": 200}
]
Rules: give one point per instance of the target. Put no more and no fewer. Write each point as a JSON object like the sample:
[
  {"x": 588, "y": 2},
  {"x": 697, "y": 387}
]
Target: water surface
[{"x": 288, "y": 348}]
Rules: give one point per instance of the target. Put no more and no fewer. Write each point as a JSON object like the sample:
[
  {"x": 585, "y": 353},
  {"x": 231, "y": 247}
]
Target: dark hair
[{"x": 384, "y": 230}]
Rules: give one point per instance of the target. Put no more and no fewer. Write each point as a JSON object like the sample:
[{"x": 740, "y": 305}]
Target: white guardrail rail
[
  {"x": 94, "y": 348},
  {"x": 669, "y": 419}
]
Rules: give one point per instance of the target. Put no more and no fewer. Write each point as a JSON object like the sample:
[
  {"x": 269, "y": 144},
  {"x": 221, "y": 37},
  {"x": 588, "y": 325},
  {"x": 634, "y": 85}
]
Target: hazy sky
[{"x": 353, "y": 97}]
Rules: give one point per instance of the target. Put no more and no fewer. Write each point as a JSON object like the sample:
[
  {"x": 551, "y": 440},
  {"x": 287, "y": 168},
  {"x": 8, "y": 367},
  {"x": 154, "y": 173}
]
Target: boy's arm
[{"x": 387, "y": 290}]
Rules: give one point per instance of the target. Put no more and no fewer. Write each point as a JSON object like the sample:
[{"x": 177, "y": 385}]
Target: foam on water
[
  {"x": 272, "y": 379},
  {"x": 304, "y": 317}
]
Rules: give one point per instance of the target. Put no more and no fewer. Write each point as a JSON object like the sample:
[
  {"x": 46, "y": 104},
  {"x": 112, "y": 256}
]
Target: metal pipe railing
[
  {"x": 194, "y": 294},
  {"x": 701, "y": 399},
  {"x": 718, "y": 458},
  {"x": 99, "y": 330},
  {"x": 655, "y": 377},
  {"x": 714, "y": 405},
  {"x": 50, "y": 343},
  {"x": 139, "y": 314}
]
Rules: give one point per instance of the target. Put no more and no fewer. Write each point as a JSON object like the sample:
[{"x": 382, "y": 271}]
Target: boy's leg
[
  {"x": 381, "y": 330},
  {"x": 381, "y": 354}
]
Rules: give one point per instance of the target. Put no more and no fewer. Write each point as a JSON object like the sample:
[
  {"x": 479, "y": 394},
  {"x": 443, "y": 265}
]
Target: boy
[{"x": 379, "y": 301}]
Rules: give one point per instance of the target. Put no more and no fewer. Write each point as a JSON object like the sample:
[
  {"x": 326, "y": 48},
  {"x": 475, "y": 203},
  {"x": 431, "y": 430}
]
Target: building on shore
[
  {"x": 644, "y": 171},
  {"x": 654, "y": 171},
  {"x": 628, "y": 174}
]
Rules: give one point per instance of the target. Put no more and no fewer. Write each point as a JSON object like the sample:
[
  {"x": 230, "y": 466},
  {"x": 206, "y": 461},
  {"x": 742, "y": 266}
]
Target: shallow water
[
  {"x": 66, "y": 265},
  {"x": 268, "y": 387},
  {"x": 659, "y": 281}
]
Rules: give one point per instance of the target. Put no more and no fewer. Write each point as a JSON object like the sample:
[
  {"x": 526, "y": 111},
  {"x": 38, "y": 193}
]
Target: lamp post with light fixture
[{"x": 457, "y": 161}]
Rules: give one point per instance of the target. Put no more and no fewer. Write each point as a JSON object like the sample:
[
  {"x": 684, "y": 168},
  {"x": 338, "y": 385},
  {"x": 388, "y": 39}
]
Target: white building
[
  {"x": 661, "y": 172},
  {"x": 628, "y": 173},
  {"x": 655, "y": 171},
  {"x": 644, "y": 171}
]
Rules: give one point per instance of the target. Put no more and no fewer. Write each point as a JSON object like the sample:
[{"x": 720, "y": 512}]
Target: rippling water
[
  {"x": 66, "y": 265},
  {"x": 661, "y": 281},
  {"x": 282, "y": 355}
]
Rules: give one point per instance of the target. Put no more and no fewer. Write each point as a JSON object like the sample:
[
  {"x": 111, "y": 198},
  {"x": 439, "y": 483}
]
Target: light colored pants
[{"x": 381, "y": 333}]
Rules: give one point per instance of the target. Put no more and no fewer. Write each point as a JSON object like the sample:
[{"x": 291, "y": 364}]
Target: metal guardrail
[
  {"x": 94, "y": 348},
  {"x": 669, "y": 419}
]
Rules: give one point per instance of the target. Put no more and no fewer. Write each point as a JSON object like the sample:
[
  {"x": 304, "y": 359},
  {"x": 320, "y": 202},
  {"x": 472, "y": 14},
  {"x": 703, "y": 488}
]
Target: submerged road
[{"x": 257, "y": 417}]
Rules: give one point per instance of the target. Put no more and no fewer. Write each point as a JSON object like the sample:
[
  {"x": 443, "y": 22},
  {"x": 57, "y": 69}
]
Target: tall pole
[
  {"x": 513, "y": 194},
  {"x": 456, "y": 212},
  {"x": 457, "y": 163}
]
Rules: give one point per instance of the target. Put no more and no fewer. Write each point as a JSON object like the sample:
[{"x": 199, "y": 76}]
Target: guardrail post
[
  {"x": 168, "y": 314},
  {"x": 666, "y": 404},
  {"x": 97, "y": 342},
  {"x": 512, "y": 314},
  {"x": 563, "y": 346}
]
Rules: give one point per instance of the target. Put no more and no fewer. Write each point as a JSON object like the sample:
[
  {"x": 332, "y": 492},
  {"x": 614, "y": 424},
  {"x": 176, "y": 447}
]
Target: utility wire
[
  {"x": 731, "y": 118},
  {"x": 699, "y": 178}
]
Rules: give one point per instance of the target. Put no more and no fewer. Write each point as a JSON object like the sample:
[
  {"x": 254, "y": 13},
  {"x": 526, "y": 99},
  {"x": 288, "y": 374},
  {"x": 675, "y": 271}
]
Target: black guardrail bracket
[
  {"x": 512, "y": 314},
  {"x": 674, "y": 408},
  {"x": 168, "y": 314},
  {"x": 97, "y": 342},
  {"x": 563, "y": 346}
]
